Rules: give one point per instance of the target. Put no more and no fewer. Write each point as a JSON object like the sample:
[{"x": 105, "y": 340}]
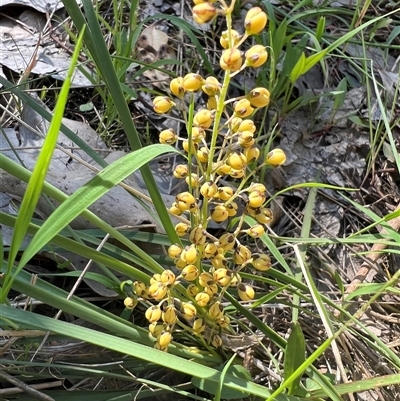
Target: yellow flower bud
[
  {"x": 259, "y": 97},
  {"x": 198, "y": 236},
  {"x": 155, "y": 278},
  {"x": 180, "y": 264},
  {"x": 194, "y": 208},
  {"x": 237, "y": 160},
  {"x": 264, "y": 216},
  {"x": 256, "y": 231},
  {"x": 158, "y": 346},
  {"x": 169, "y": 315},
  {"x": 192, "y": 290},
  {"x": 203, "y": 118},
  {"x": 232, "y": 209},
  {"x": 222, "y": 276},
  {"x": 155, "y": 329},
  {"x": 192, "y": 82},
  {"x": 202, "y": 299},
  {"x": 227, "y": 241},
  {"x": 192, "y": 180},
  {"x": 247, "y": 125},
  {"x": 224, "y": 38},
  {"x": 216, "y": 340},
  {"x": 190, "y": 254},
  {"x": 182, "y": 229},
  {"x": 235, "y": 280},
  {"x": 255, "y": 21},
  {"x": 176, "y": 86},
  {"x": 139, "y": 288},
  {"x": 188, "y": 310},
  {"x": 206, "y": 279},
  {"x": 251, "y": 211},
  {"x": 243, "y": 108},
  {"x": 153, "y": 314},
  {"x": 167, "y": 277},
  {"x": 130, "y": 303},
  {"x": 231, "y": 60},
  {"x": 211, "y": 86},
  {"x": 256, "y": 56},
  {"x": 168, "y": 136},
  {"x": 211, "y": 289},
  {"x": 202, "y": 154},
  {"x": 162, "y": 104},
  {"x": 186, "y": 145},
  {"x": 199, "y": 325},
  {"x": 190, "y": 272},
  {"x": 208, "y": 189},
  {"x": 204, "y": 12},
  {"x": 242, "y": 255},
  {"x": 174, "y": 209},
  {"x": 174, "y": 251},
  {"x": 164, "y": 339},
  {"x": 225, "y": 193},
  {"x": 185, "y": 200},
  {"x": 261, "y": 262},
  {"x": 219, "y": 261},
  {"x": 219, "y": 214},
  {"x": 246, "y": 139},
  {"x": 181, "y": 171},
  {"x": 210, "y": 250},
  {"x": 216, "y": 310},
  {"x": 212, "y": 103},
  {"x": 223, "y": 169},
  {"x": 257, "y": 186},
  {"x": 235, "y": 124},
  {"x": 245, "y": 292},
  {"x": 198, "y": 134},
  {"x": 252, "y": 154},
  {"x": 158, "y": 291},
  {"x": 237, "y": 173},
  {"x": 276, "y": 157},
  {"x": 256, "y": 199},
  {"x": 224, "y": 322}
]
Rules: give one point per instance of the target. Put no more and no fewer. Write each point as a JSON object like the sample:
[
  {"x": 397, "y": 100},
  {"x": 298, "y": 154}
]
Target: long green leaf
[
  {"x": 23, "y": 174},
  {"x": 90, "y": 253},
  {"x": 95, "y": 42},
  {"x": 47, "y": 115},
  {"x": 31, "y": 320},
  {"x": 295, "y": 355},
  {"x": 83, "y": 198},
  {"x": 309, "y": 62},
  {"x": 35, "y": 185},
  {"x": 58, "y": 298}
]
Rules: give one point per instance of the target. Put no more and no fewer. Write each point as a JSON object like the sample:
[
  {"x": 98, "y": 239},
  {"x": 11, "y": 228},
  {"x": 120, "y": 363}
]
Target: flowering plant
[{"x": 222, "y": 156}]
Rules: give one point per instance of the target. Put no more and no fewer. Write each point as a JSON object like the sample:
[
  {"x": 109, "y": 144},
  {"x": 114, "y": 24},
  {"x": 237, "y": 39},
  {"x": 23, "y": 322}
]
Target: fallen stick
[{"x": 372, "y": 256}]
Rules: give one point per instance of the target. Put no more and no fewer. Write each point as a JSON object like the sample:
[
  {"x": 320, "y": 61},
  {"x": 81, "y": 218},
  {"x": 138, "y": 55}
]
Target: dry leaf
[
  {"x": 152, "y": 45},
  {"x": 153, "y": 38}
]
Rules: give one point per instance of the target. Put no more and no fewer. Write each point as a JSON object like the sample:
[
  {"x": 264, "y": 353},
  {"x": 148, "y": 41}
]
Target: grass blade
[
  {"x": 35, "y": 184},
  {"x": 81, "y": 200}
]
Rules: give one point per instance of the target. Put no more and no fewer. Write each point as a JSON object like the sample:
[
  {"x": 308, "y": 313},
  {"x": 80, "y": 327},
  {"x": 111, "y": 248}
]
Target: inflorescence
[{"x": 222, "y": 161}]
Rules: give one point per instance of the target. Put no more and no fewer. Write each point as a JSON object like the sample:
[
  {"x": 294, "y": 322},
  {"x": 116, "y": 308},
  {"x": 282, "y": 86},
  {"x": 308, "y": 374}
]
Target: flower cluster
[{"x": 222, "y": 163}]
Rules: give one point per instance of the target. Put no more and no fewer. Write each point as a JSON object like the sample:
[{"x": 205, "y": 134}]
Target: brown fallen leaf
[{"x": 152, "y": 45}]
